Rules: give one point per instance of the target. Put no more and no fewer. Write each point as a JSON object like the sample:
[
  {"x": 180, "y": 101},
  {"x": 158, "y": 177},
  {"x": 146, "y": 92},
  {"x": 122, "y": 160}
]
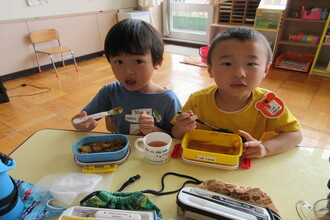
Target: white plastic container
[{"x": 142, "y": 15}]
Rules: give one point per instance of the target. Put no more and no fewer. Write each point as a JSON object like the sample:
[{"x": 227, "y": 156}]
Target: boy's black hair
[
  {"x": 242, "y": 34},
  {"x": 134, "y": 36}
]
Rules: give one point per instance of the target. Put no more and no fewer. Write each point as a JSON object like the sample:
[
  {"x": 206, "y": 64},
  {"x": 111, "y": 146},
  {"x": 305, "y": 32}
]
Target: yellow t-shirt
[{"x": 248, "y": 119}]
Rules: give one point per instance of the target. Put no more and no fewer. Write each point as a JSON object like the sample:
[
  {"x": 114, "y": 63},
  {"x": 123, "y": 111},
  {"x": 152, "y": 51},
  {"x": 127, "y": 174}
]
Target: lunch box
[
  {"x": 195, "y": 203},
  {"x": 102, "y": 156},
  {"x": 229, "y": 146}
]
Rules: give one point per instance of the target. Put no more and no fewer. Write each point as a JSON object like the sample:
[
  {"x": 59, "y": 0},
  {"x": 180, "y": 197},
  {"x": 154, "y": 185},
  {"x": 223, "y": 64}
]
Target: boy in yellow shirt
[{"x": 238, "y": 60}]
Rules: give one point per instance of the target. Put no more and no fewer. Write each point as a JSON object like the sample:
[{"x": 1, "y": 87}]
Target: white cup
[{"x": 156, "y": 146}]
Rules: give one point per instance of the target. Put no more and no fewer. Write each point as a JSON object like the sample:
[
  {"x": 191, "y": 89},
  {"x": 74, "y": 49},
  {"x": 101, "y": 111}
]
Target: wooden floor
[{"x": 308, "y": 97}]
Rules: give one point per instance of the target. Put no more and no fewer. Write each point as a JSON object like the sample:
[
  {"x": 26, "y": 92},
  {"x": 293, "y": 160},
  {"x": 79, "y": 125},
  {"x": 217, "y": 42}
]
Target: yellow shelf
[
  {"x": 315, "y": 66},
  {"x": 265, "y": 29},
  {"x": 291, "y": 25},
  {"x": 287, "y": 42},
  {"x": 321, "y": 71},
  {"x": 321, "y": 68},
  {"x": 304, "y": 20}
]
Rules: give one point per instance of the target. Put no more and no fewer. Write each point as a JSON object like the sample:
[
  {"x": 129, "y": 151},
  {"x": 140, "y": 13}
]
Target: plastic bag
[
  {"x": 36, "y": 203},
  {"x": 66, "y": 187}
]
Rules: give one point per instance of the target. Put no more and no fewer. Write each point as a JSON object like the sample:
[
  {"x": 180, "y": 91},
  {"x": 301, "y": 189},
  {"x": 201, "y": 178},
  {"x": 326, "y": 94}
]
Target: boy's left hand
[
  {"x": 252, "y": 148},
  {"x": 146, "y": 123}
]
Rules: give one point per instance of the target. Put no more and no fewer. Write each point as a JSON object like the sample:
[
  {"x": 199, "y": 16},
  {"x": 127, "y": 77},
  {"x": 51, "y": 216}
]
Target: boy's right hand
[
  {"x": 185, "y": 122},
  {"x": 87, "y": 125}
]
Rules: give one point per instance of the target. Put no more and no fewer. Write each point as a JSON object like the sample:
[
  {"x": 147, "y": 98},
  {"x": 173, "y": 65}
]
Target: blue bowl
[{"x": 104, "y": 156}]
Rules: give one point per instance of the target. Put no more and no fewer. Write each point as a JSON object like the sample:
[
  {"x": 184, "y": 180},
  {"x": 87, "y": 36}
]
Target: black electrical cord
[
  {"x": 128, "y": 182},
  {"x": 191, "y": 180},
  {"x": 31, "y": 94},
  {"x": 160, "y": 192}
]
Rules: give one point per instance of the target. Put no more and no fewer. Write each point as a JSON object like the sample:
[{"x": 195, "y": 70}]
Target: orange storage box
[
  {"x": 294, "y": 61},
  {"x": 212, "y": 147}
]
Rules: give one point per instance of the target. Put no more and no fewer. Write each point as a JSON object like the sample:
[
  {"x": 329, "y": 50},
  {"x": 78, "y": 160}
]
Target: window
[{"x": 189, "y": 19}]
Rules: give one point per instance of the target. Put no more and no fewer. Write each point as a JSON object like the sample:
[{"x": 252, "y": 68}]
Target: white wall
[
  {"x": 84, "y": 33},
  {"x": 82, "y": 24},
  {"x": 17, "y": 9}
]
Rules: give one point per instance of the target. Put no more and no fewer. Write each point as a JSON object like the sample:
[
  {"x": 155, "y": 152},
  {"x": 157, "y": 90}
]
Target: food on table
[
  {"x": 213, "y": 148},
  {"x": 102, "y": 146}
]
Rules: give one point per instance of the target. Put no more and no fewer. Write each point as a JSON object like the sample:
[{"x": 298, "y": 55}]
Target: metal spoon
[
  {"x": 217, "y": 129},
  {"x": 213, "y": 127},
  {"x": 204, "y": 123},
  {"x": 114, "y": 111}
]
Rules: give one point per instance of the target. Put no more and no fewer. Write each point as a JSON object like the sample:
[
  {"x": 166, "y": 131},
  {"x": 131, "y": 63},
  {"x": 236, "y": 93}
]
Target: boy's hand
[
  {"x": 146, "y": 123},
  {"x": 252, "y": 148},
  {"x": 87, "y": 125},
  {"x": 185, "y": 121}
]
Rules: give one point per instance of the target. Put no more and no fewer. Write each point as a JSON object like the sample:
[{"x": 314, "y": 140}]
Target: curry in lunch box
[
  {"x": 102, "y": 146},
  {"x": 213, "y": 148}
]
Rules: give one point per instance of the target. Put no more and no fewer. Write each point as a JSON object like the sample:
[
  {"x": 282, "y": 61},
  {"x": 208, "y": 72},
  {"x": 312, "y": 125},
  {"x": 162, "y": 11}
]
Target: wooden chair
[{"x": 59, "y": 51}]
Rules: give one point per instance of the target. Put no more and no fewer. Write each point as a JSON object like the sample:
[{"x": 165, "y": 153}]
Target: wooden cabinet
[
  {"x": 301, "y": 32},
  {"x": 263, "y": 15},
  {"x": 237, "y": 12}
]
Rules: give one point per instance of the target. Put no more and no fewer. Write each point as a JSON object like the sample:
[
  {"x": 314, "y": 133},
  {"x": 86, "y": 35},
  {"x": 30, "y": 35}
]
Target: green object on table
[{"x": 120, "y": 200}]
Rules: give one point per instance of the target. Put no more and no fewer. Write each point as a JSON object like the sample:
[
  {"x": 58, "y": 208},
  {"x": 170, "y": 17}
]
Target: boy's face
[
  {"x": 134, "y": 72},
  {"x": 238, "y": 67}
]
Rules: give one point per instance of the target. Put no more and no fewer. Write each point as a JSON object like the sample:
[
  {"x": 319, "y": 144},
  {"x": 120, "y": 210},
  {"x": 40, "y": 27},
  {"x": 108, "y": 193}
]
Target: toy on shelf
[
  {"x": 305, "y": 38},
  {"x": 324, "y": 14},
  {"x": 327, "y": 39},
  {"x": 313, "y": 13}
]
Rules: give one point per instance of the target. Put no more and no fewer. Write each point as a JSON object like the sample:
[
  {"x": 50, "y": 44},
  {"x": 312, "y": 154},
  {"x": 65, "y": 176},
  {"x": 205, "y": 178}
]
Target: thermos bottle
[{"x": 11, "y": 206}]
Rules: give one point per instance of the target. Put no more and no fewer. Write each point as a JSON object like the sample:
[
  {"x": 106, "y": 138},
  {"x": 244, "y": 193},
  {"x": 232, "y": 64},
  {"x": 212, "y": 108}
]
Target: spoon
[
  {"x": 217, "y": 129},
  {"x": 114, "y": 111},
  {"x": 211, "y": 126}
]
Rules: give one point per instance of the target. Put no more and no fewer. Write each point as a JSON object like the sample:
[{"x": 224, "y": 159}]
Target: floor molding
[{"x": 183, "y": 43}]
